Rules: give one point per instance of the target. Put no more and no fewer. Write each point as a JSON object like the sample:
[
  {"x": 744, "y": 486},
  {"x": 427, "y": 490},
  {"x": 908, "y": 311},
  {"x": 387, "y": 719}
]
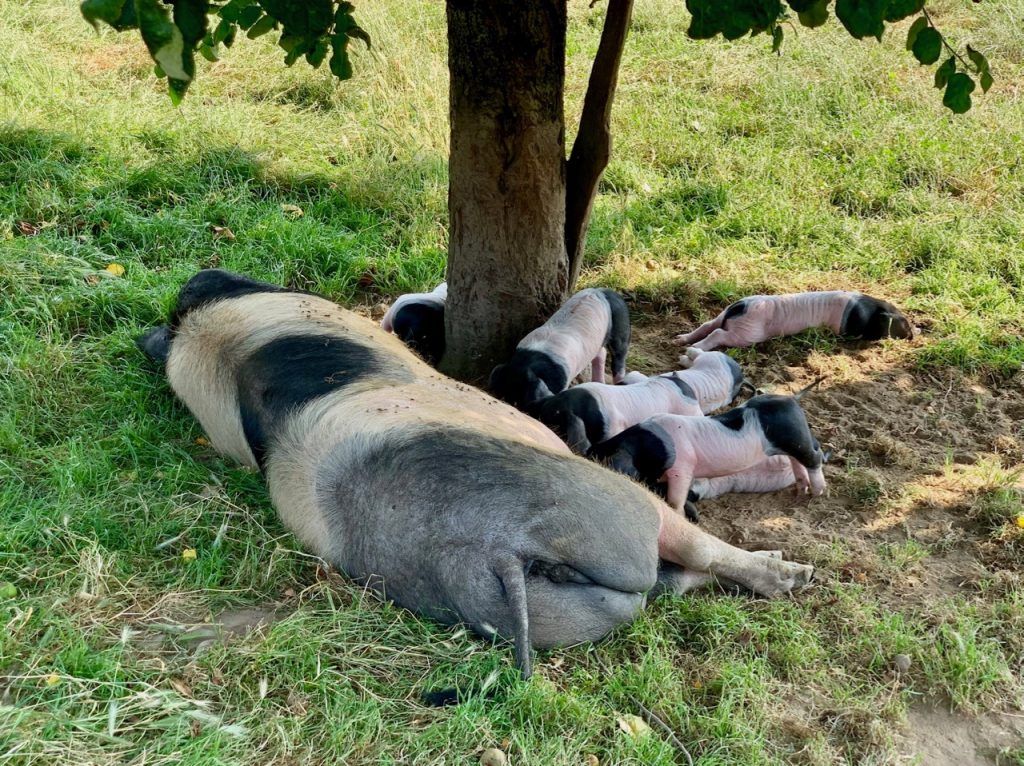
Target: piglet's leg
[
  {"x": 701, "y": 332},
  {"x": 687, "y": 545},
  {"x": 723, "y": 338},
  {"x": 801, "y": 480},
  {"x": 597, "y": 367},
  {"x": 679, "y": 478},
  {"x": 817, "y": 477}
]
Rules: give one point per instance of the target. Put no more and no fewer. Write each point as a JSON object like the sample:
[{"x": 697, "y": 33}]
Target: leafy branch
[
  {"x": 861, "y": 18},
  {"x": 175, "y": 30}
]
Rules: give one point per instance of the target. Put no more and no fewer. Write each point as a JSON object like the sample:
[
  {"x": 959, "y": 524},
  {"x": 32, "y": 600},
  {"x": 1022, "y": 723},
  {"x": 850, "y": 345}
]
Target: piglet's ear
[{"x": 156, "y": 343}]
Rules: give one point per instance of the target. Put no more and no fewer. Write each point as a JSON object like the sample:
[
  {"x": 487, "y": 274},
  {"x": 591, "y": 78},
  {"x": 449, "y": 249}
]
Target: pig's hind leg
[
  {"x": 724, "y": 339},
  {"x": 687, "y": 545},
  {"x": 597, "y": 367},
  {"x": 618, "y": 335}
]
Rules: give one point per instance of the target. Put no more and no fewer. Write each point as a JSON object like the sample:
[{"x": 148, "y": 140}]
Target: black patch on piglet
[
  {"x": 617, "y": 340},
  {"x": 868, "y": 318},
  {"x": 576, "y": 416},
  {"x": 527, "y": 377},
  {"x": 732, "y": 419},
  {"x": 643, "y": 452},
  {"x": 684, "y": 388},
  {"x": 737, "y": 309},
  {"x": 421, "y": 327},
  {"x": 785, "y": 428}
]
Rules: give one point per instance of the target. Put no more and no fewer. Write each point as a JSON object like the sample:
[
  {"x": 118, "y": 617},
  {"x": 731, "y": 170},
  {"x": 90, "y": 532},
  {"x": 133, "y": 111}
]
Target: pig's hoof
[
  {"x": 686, "y": 362},
  {"x": 679, "y": 339},
  {"x": 783, "y": 577}
]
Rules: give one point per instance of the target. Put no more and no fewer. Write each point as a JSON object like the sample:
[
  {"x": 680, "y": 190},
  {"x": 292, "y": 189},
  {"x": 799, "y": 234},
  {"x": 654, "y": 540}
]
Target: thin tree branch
[
  {"x": 592, "y": 147},
  {"x": 945, "y": 43}
]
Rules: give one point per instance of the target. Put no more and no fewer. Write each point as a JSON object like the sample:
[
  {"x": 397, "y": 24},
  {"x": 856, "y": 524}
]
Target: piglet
[
  {"x": 771, "y": 474},
  {"x": 591, "y": 413},
  {"x": 760, "y": 317},
  {"x": 418, "y": 319},
  {"x": 556, "y": 352},
  {"x": 676, "y": 449}
]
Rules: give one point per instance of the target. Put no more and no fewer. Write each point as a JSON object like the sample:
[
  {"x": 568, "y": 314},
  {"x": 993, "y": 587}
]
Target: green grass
[{"x": 733, "y": 172}]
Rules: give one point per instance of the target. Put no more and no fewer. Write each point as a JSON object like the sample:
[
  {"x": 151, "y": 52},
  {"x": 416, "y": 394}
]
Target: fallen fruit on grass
[
  {"x": 189, "y": 554},
  {"x": 116, "y": 269},
  {"x": 492, "y": 756},
  {"x": 52, "y": 680},
  {"x": 1020, "y": 521},
  {"x": 7, "y": 590}
]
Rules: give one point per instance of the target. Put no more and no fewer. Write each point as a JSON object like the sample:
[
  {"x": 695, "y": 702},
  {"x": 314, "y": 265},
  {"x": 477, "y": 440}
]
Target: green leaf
[
  {"x": 220, "y": 34},
  {"x": 360, "y": 34},
  {"x": 165, "y": 42},
  {"x": 915, "y": 30},
  {"x": 176, "y": 90},
  {"x": 341, "y": 67},
  {"x": 233, "y": 10},
  {"x": 249, "y": 16},
  {"x": 986, "y": 81},
  {"x": 776, "y": 39},
  {"x": 958, "y": 93},
  {"x": 862, "y": 18},
  {"x": 309, "y": 18},
  {"x": 815, "y": 15},
  {"x": 316, "y": 56},
  {"x": 190, "y": 18},
  {"x": 928, "y": 46},
  {"x": 207, "y": 52},
  {"x": 261, "y": 27},
  {"x": 900, "y": 9},
  {"x": 300, "y": 48},
  {"x": 288, "y": 42},
  {"x": 978, "y": 59},
  {"x": 944, "y": 72},
  {"x": 120, "y": 14}
]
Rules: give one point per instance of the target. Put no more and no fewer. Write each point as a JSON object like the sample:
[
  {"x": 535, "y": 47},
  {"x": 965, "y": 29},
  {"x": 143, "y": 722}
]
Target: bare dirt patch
[
  {"x": 912, "y": 452},
  {"x": 938, "y": 737}
]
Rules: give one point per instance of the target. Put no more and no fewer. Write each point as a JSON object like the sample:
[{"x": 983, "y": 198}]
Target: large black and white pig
[
  {"x": 760, "y": 317},
  {"x": 418, "y": 319},
  {"x": 676, "y": 449},
  {"x": 591, "y": 413},
  {"x": 582, "y": 332},
  {"x": 455, "y": 505}
]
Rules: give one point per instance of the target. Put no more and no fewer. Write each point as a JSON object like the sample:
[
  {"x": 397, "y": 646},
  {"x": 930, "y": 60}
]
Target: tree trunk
[{"x": 507, "y": 263}]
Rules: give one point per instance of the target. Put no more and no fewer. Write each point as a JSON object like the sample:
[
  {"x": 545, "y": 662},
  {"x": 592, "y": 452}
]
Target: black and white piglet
[
  {"x": 418, "y": 319},
  {"x": 591, "y": 413},
  {"x": 675, "y": 449},
  {"x": 578, "y": 334}
]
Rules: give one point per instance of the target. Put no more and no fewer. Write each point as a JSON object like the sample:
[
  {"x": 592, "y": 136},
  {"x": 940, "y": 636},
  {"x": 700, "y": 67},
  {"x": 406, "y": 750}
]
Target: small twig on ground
[{"x": 651, "y": 718}]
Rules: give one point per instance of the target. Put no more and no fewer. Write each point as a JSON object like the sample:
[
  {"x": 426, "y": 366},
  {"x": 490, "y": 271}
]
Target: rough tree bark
[
  {"x": 507, "y": 264},
  {"x": 593, "y": 144}
]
